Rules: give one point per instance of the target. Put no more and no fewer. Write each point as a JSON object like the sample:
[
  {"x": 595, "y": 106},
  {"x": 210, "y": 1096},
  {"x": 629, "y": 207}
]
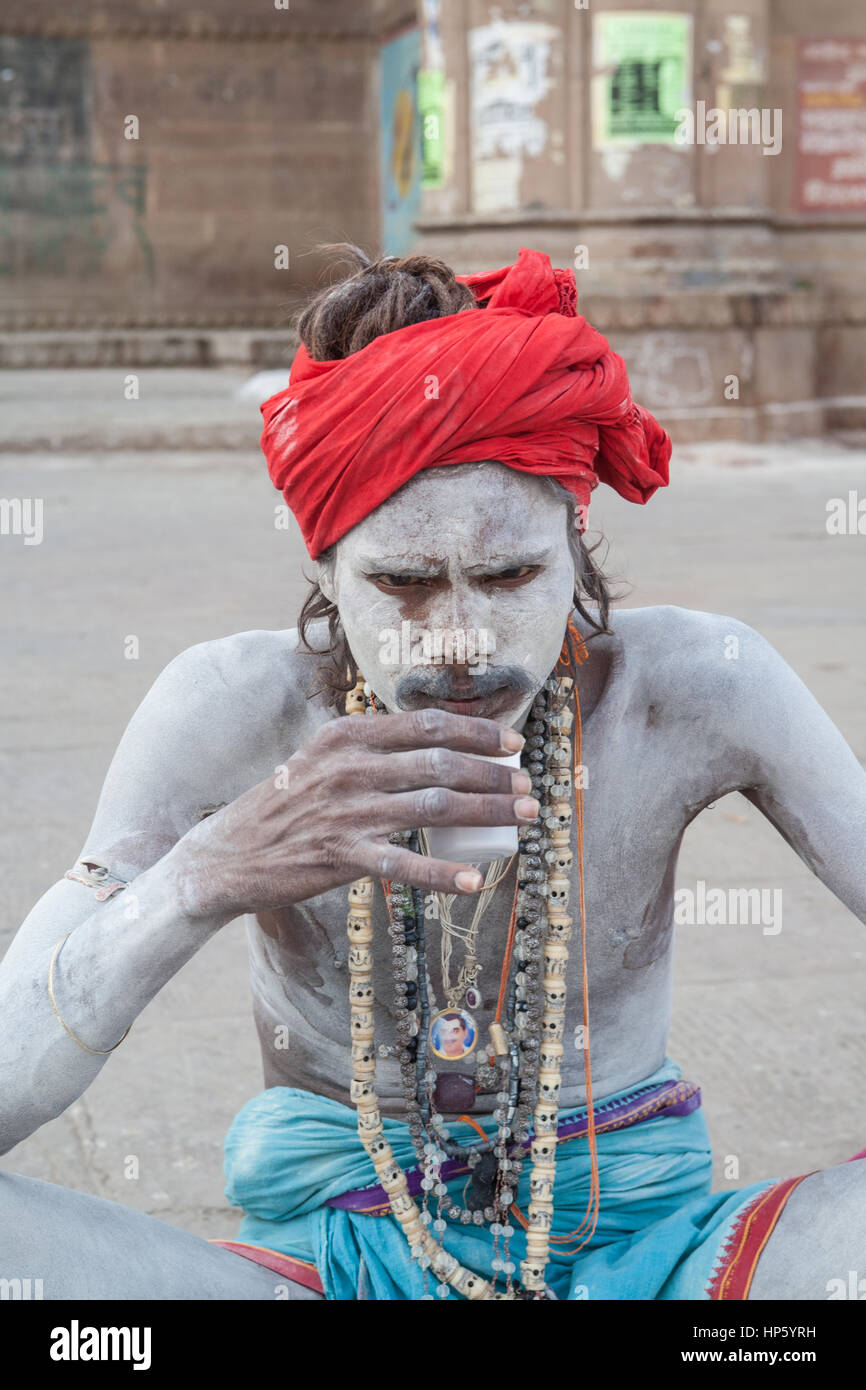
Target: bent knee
[
  {"x": 819, "y": 1238},
  {"x": 82, "y": 1247}
]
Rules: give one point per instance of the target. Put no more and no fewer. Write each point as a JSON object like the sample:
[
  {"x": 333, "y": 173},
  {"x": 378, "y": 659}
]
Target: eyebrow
[
  {"x": 380, "y": 565},
  {"x": 510, "y": 562}
]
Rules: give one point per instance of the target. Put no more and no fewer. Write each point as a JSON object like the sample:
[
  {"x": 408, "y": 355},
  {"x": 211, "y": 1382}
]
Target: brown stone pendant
[{"x": 454, "y": 1092}]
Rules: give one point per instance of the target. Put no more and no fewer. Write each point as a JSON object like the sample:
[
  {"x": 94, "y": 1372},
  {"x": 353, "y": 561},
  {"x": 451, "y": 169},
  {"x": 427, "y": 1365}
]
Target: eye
[
  {"x": 395, "y": 581},
  {"x": 517, "y": 574}
]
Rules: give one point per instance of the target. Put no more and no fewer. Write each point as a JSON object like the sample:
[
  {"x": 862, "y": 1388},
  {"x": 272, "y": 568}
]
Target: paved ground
[{"x": 175, "y": 547}]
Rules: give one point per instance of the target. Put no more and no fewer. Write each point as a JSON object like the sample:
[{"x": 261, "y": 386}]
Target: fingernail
[
  {"x": 512, "y": 740},
  {"x": 526, "y": 808},
  {"x": 468, "y": 880},
  {"x": 521, "y": 782}
]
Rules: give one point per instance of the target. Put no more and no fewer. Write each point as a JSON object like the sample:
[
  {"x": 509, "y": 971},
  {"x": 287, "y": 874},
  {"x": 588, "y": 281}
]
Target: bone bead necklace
[{"x": 556, "y": 817}]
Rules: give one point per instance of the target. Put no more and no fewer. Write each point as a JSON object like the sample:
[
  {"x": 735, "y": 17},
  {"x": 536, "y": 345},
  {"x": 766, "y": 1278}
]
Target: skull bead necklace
[{"x": 525, "y": 1038}]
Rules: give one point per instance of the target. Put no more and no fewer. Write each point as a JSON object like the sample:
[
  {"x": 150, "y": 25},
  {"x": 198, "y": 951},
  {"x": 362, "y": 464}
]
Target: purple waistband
[{"x": 668, "y": 1099}]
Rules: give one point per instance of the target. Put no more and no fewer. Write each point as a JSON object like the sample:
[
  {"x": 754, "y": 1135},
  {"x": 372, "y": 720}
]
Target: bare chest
[{"x": 632, "y": 831}]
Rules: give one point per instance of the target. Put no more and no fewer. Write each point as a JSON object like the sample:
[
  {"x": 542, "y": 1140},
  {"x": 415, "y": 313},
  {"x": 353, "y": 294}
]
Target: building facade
[{"x": 166, "y": 174}]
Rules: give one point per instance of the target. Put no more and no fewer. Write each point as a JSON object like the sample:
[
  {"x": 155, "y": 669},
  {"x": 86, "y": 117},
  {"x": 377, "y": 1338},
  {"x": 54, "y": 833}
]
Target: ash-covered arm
[
  {"x": 119, "y": 955},
  {"x": 121, "y": 951},
  {"x": 795, "y": 765}
]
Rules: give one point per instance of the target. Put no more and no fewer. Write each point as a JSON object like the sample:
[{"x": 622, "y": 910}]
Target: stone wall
[{"x": 256, "y": 129}]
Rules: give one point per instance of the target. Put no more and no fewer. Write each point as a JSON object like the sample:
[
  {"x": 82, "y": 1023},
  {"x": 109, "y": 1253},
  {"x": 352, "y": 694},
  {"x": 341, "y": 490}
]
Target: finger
[
  {"x": 441, "y": 806},
  {"x": 425, "y": 728},
  {"x": 442, "y": 875},
  {"x": 426, "y": 767}
]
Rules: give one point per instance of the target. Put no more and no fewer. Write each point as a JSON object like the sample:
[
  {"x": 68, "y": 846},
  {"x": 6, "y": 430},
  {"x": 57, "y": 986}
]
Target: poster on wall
[
  {"x": 831, "y": 137},
  {"x": 431, "y": 105},
  {"x": 432, "y": 99},
  {"x": 510, "y": 76},
  {"x": 401, "y": 136},
  {"x": 642, "y": 75}
]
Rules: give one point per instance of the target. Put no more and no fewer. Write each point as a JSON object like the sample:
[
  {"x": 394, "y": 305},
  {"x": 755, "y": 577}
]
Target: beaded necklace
[{"x": 526, "y": 1036}]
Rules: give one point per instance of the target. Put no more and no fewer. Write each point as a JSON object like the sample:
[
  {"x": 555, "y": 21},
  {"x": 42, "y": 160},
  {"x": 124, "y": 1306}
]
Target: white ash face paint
[{"x": 475, "y": 549}]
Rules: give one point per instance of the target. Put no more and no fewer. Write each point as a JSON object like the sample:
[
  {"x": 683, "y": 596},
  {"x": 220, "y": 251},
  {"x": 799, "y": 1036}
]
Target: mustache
[{"x": 444, "y": 684}]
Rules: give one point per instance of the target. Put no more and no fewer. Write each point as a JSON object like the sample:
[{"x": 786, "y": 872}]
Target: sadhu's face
[{"x": 456, "y": 591}]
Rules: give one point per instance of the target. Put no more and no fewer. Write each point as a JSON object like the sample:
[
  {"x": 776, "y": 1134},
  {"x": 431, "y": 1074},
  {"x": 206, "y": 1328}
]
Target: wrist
[{"x": 197, "y": 885}]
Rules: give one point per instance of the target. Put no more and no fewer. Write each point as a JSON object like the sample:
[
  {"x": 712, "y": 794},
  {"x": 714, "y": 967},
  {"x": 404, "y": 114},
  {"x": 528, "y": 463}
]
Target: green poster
[
  {"x": 642, "y": 76},
  {"x": 431, "y": 105}
]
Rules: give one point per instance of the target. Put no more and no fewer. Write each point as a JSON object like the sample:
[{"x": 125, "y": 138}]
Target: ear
[{"x": 325, "y": 579}]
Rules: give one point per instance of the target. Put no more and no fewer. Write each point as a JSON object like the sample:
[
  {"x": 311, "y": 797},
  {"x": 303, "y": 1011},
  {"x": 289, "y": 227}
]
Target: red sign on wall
[{"x": 831, "y": 151}]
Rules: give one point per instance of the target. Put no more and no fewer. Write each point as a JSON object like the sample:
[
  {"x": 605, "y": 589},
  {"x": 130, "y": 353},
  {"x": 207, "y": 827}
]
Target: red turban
[{"x": 525, "y": 381}]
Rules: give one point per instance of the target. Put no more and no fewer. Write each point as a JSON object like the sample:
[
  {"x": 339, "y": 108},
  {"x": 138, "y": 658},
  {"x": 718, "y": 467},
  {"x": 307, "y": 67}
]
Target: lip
[
  {"x": 464, "y": 706},
  {"x": 482, "y": 706}
]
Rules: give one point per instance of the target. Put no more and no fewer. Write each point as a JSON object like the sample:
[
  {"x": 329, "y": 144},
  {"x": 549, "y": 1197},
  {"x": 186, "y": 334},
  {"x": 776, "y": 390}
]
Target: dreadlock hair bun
[{"x": 377, "y": 297}]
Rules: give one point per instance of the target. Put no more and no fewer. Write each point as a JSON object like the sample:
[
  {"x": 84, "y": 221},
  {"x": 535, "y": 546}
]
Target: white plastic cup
[{"x": 476, "y": 844}]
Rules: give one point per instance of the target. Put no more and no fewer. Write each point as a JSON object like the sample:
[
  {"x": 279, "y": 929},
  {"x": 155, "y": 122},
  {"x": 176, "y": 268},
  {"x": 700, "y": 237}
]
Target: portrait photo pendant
[
  {"x": 452, "y": 1037},
  {"x": 452, "y": 1034}
]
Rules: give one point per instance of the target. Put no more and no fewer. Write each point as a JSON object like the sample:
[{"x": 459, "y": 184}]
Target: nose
[{"x": 459, "y": 607}]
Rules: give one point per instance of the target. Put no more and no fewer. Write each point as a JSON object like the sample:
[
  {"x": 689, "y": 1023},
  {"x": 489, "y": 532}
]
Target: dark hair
[
  {"x": 377, "y": 297},
  {"x": 454, "y": 1013}
]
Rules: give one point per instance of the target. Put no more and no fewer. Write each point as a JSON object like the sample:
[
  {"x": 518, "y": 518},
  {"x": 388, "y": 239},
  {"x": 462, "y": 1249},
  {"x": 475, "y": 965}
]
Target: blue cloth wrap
[{"x": 659, "y": 1234}]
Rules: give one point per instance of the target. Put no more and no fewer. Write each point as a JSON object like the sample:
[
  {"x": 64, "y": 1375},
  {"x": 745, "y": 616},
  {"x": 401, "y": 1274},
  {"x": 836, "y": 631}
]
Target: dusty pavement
[{"x": 176, "y": 544}]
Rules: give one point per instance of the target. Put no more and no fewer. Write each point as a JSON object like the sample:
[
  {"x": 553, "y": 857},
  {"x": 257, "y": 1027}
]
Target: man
[
  {"x": 452, "y": 1037},
  {"x": 357, "y": 443}
]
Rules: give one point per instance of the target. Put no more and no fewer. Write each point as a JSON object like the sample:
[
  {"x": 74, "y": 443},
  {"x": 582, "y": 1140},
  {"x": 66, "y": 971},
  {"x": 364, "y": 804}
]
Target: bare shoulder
[
  {"x": 666, "y": 627},
  {"x": 242, "y": 696},
  {"x": 216, "y": 721},
  {"x": 264, "y": 670},
  {"x": 695, "y": 660}
]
